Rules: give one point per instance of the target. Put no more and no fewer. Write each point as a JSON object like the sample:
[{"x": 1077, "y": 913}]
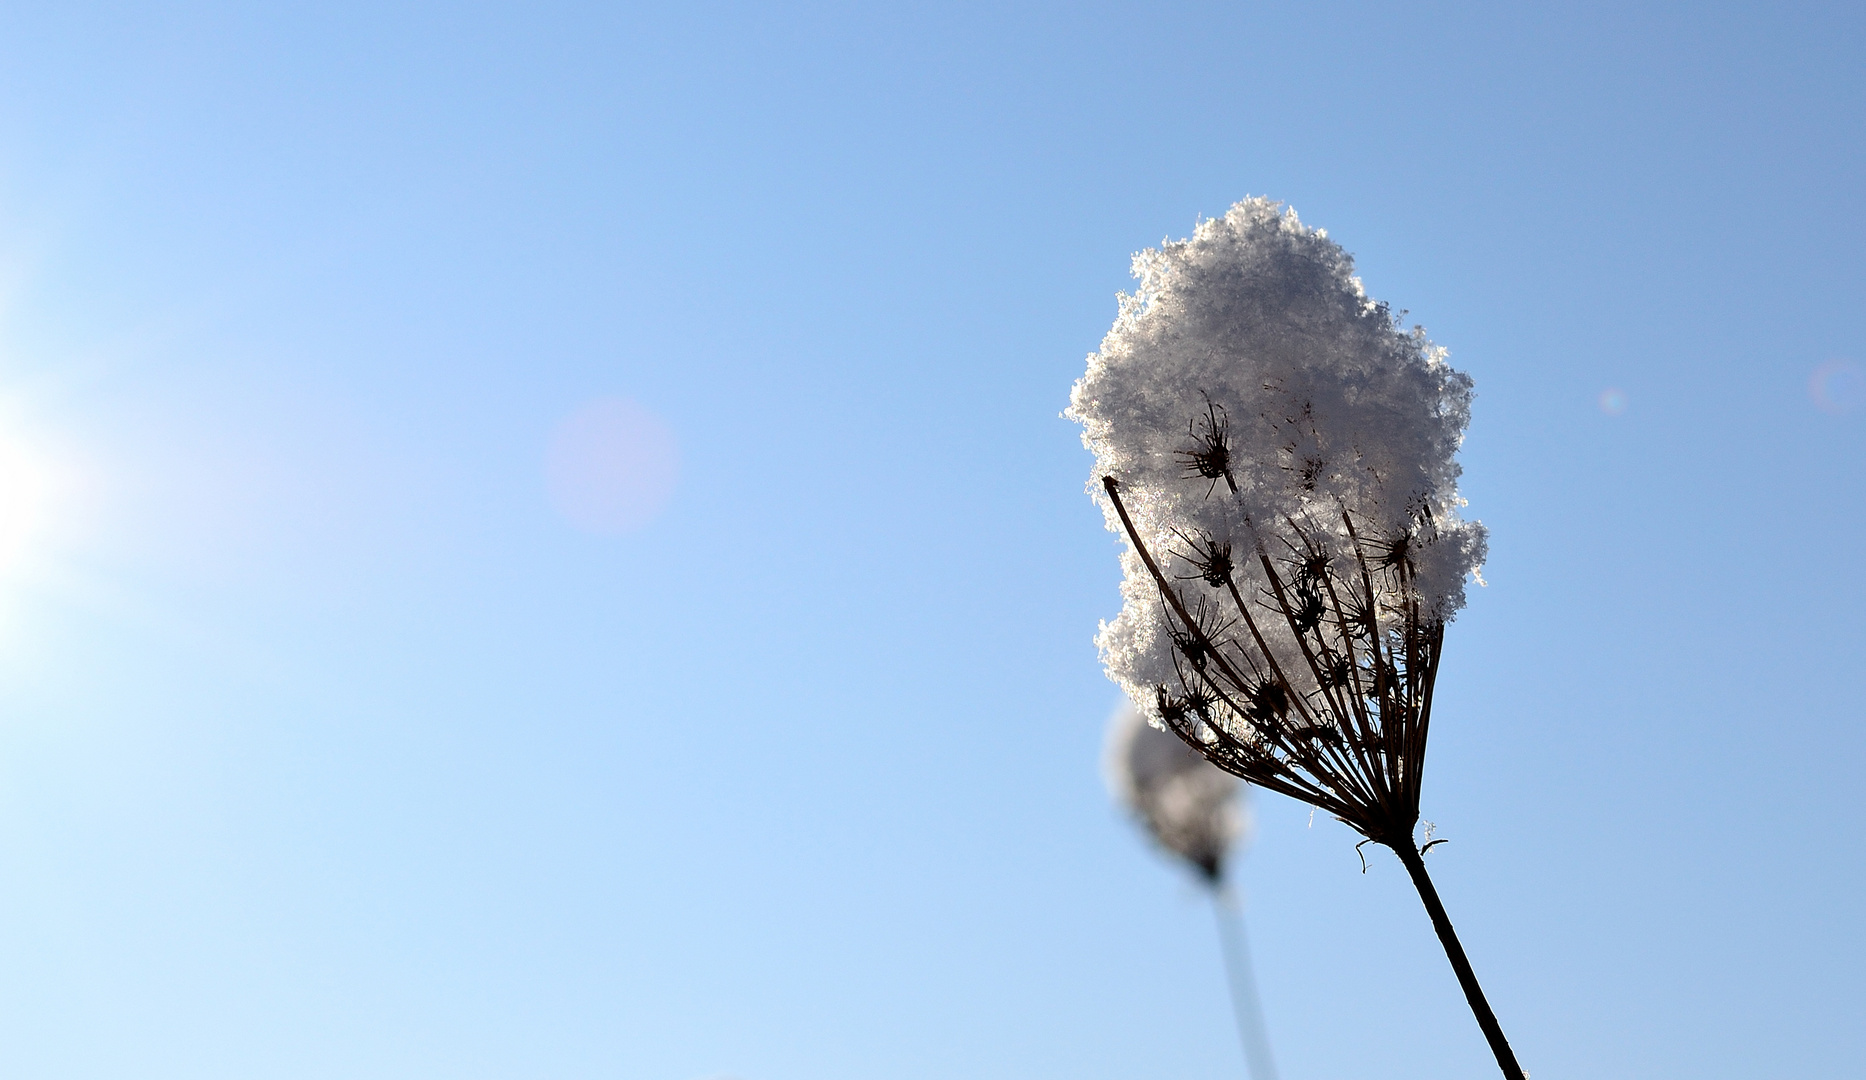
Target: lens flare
[
  {"x": 39, "y": 495},
  {"x": 612, "y": 466},
  {"x": 1837, "y": 387},
  {"x": 1613, "y": 401},
  {"x": 23, "y": 490}
]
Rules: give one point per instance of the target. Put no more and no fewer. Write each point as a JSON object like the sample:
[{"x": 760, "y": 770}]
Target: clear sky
[{"x": 537, "y": 541}]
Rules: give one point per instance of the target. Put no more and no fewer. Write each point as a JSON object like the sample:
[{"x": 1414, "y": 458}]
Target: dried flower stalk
[
  {"x": 1197, "y": 813},
  {"x": 1280, "y": 456}
]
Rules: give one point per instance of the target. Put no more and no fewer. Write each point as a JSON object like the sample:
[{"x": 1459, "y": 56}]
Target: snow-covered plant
[
  {"x": 1197, "y": 813},
  {"x": 1190, "y": 808},
  {"x": 1279, "y": 453}
]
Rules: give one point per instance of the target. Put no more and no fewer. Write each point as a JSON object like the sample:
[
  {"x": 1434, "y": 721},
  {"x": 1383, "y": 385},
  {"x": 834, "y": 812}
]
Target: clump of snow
[
  {"x": 1253, "y": 404},
  {"x": 1186, "y": 804}
]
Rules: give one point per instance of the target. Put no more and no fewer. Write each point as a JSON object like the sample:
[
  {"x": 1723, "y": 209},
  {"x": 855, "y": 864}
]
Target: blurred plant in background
[
  {"x": 1279, "y": 453},
  {"x": 1189, "y": 808},
  {"x": 1199, "y": 815}
]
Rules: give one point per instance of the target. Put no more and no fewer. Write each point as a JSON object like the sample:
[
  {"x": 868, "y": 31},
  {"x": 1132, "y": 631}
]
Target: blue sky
[{"x": 331, "y": 745}]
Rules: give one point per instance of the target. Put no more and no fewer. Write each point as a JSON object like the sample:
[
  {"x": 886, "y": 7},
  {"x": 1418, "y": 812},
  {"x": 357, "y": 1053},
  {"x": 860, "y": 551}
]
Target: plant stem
[
  {"x": 1473, "y": 993},
  {"x": 1243, "y": 985}
]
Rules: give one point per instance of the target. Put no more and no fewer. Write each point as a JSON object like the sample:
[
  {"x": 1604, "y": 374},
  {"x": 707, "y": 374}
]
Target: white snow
[{"x": 1256, "y": 329}]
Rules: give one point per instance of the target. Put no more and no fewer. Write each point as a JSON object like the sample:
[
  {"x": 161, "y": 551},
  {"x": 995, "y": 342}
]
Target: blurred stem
[
  {"x": 1473, "y": 993},
  {"x": 1230, "y": 915}
]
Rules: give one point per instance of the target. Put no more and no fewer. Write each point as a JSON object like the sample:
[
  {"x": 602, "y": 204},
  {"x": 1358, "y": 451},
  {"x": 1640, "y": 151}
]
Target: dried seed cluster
[{"x": 1279, "y": 454}]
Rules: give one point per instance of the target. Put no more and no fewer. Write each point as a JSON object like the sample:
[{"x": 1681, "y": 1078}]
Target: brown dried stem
[{"x": 1361, "y": 752}]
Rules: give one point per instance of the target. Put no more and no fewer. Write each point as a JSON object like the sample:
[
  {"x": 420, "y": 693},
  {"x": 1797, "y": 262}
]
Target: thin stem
[
  {"x": 1109, "y": 484},
  {"x": 1337, "y": 704},
  {"x": 1230, "y": 917},
  {"x": 1473, "y": 993},
  {"x": 1360, "y": 768},
  {"x": 1415, "y": 751},
  {"x": 1383, "y": 661},
  {"x": 1357, "y": 696},
  {"x": 1310, "y": 757},
  {"x": 1335, "y": 805}
]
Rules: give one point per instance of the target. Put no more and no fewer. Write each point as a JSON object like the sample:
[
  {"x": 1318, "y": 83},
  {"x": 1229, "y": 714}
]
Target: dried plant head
[
  {"x": 1280, "y": 453},
  {"x": 1191, "y": 809}
]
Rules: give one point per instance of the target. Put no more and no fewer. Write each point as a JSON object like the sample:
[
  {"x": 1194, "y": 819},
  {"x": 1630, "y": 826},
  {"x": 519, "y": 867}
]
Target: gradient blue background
[{"x": 328, "y": 749}]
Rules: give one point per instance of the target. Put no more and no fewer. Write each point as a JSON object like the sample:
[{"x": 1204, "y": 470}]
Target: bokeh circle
[
  {"x": 612, "y": 466},
  {"x": 1837, "y": 387}
]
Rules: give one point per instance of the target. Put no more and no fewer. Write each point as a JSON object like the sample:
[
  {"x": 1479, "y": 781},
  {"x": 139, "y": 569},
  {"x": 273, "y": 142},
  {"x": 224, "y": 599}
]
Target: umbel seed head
[
  {"x": 1279, "y": 453},
  {"x": 1192, "y": 810}
]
